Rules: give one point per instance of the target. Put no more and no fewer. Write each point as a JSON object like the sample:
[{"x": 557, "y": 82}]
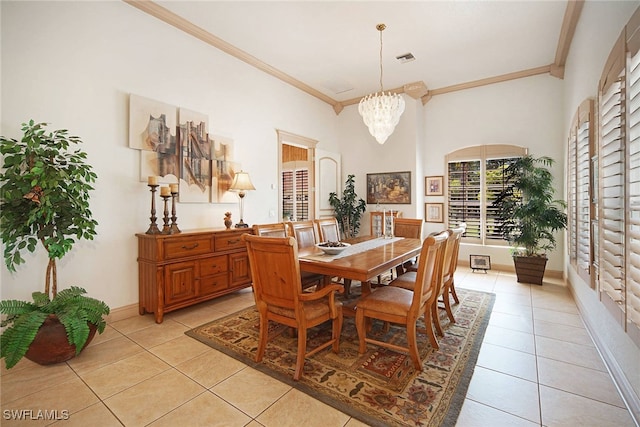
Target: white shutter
[
  {"x": 612, "y": 193},
  {"x": 583, "y": 202},
  {"x": 572, "y": 216},
  {"x": 633, "y": 189}
]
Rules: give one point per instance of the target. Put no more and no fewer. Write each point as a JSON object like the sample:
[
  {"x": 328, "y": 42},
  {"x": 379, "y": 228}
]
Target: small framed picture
[
  {"x": 480, "y": 262},
  {"x": 433, "y": 212},
  {"x": 433, "y": 186}
]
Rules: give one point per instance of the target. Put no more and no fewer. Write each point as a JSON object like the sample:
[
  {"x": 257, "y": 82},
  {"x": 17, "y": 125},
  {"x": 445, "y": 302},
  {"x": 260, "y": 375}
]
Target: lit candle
[
  {"x": 174, "y": 188},
  {"x": 153, "y": 180},
  {"x": 164, "y": 191}
]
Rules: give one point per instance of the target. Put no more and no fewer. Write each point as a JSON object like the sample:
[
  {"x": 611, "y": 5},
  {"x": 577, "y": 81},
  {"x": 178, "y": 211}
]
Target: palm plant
[
  {"x": 348, "y": 208},
  {"x": 44, "y": 199},
  {"x": 529, "y": 214}
]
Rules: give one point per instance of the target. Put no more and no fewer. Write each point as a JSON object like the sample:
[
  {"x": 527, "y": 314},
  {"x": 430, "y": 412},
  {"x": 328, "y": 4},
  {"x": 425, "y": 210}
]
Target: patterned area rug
[{"x": 380, "y": 387}]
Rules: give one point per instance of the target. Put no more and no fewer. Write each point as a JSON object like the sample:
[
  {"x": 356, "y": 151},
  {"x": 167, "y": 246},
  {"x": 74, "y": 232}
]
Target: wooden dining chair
[
  {"x": 282, "y": 229},
  {"x": 402, "y": 306},
  {"x": 305, "y": 234},
  {"x": 407, "y": 281},
  {"x": 410, "y": 228},
  {"x": 449, "y": 282},
  {"x": 328, "y": 230},
  {"x": 275, "y": 272}
]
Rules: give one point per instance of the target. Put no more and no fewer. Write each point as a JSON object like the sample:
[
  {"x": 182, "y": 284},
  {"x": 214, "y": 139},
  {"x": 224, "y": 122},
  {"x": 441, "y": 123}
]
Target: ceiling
[{"x": 331, "y": 48}]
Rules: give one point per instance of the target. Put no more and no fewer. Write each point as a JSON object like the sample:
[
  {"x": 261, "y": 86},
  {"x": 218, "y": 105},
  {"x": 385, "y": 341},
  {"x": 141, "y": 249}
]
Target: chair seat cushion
[
  {"x": 391, "y": 300},
  {"x": 312, "y": 309},
  {"x": 406, "y": 281}
]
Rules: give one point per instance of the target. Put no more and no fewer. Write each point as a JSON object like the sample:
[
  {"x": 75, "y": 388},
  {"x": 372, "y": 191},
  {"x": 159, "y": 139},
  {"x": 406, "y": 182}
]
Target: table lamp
[{"x": 241, "y": 183}]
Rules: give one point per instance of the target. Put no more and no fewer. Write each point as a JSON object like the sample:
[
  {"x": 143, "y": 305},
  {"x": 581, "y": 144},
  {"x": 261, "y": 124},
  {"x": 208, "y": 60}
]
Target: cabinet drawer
[
  {"x": 211, "y": 284},
  {"x": 229, "y": 242},
  {"x": 179, "y": 248},
  {"x": 213, "y": 265}
]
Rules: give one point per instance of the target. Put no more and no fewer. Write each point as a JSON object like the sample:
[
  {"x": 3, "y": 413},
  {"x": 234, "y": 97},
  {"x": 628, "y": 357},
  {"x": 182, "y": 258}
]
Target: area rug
[{"x": 380, "y": 387}]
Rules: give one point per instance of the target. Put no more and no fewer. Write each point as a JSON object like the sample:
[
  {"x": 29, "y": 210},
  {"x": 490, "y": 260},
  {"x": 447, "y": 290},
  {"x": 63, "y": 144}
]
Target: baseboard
[
  {"x": 627, "y": 392},
  {"x": 509, "y": 268},
  {"x": 122, "y": 313}
]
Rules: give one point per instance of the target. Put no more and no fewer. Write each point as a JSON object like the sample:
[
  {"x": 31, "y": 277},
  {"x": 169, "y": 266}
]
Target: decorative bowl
[{"x": 332, "y": 248}]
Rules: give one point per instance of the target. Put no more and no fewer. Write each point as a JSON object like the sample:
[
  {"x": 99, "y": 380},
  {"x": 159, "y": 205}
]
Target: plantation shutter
[
  {"x": 572, "y": 194},
  {"x": 302, "y": 195},
  {"x": 612, "y": 177},
  {"x": 583, "y": 186},
  {"x": 464, "y": 196},
  {"x": 287, "y": 192},
  {"x": 633, "y": 184}
]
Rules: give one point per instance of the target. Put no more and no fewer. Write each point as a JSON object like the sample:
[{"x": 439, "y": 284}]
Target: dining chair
[
  {"x": 282, "y": 229},
  {"x": 407, "y": 281},
  {"x": 275, "y": 272},
  {"x": 410, "y": 228},
  {"x": 328, "y": 230},
  {"x": 459, "y": 231},
  {"x": 402, "y": 306},
  {"x": 305, "y": 234}
]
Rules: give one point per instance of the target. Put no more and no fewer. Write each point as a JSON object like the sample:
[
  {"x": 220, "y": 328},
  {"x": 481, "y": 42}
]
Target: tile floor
[{"x": 537, "y": 367}]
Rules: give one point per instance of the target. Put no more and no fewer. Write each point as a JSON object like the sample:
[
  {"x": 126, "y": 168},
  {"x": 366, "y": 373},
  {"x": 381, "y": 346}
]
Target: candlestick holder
[
  {"x": 166, "y": 229},
  {"x": 153, "y": 228},
  {"x": 174, "y": 218}
]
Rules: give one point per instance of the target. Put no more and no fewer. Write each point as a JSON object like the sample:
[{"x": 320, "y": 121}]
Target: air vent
[{"x": 407, "y": 57}]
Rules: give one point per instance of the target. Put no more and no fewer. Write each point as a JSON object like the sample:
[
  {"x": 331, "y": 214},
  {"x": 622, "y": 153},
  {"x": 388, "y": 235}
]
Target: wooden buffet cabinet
[{"x": 179, "y": 270}]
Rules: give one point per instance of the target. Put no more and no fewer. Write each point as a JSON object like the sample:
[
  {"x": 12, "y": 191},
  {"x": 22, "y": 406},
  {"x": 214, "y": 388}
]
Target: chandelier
[{"x": 381, "y": 112}]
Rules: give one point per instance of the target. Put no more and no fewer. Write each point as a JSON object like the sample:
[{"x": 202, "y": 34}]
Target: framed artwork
[
  {"x": 480, "y": 262},
  {"x": 433, "y": 186},
  {"x": 433, "y": 212},
  {"x": 389, "y": 188}
]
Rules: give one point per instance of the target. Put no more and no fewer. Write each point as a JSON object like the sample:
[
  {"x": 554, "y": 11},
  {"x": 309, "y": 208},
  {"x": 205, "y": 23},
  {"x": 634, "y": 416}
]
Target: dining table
[{"x": 365, "y": 259}]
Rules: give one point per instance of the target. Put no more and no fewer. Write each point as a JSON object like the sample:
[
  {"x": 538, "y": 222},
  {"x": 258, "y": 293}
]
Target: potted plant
[
  {"x": 44, "y": 199},
  {"x": 348, "y": 208},
  {"x": 529, "y": 215}
]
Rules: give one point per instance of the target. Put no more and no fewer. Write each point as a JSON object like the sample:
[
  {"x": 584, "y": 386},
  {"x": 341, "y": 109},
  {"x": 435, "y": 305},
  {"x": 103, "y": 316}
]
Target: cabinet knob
[
  {"x": 188, "y": 248},
  {"x": 232, "y": 241}
]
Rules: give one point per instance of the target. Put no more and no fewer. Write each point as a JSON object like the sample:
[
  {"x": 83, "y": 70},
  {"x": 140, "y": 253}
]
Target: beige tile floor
[{"x": 537, "y": 367}]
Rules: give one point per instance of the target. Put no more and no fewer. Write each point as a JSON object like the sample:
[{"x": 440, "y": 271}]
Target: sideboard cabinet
[{"x": 179, "y": 270}]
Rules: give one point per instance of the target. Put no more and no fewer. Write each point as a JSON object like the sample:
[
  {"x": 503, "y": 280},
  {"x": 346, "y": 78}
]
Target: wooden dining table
[{"x": 368, "y": 258}]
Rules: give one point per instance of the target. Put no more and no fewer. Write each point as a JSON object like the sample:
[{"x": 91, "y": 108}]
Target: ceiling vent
[{"x": 407, "y": 57}]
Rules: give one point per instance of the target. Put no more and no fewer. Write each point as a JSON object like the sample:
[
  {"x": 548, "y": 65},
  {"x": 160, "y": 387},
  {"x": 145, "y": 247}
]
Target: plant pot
[
  {"x": 530, "y": 269},
  {"x": 51, "y": 345}
]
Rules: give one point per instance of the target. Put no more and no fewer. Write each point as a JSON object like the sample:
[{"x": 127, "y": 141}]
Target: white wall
[
  {"x": 599, "y": 27},
  {"x": 74, "y": 64},
  {"x": 525, "y": 112}
]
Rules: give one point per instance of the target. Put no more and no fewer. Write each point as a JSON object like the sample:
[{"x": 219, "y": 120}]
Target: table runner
[{"x": 353, "y": 249}]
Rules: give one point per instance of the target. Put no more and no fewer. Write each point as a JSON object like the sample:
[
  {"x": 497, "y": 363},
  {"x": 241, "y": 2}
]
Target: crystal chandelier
[{"x": 381, "y": 112}]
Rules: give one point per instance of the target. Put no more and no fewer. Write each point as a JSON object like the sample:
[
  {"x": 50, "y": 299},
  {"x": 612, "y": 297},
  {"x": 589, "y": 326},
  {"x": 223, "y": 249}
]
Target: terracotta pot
[
  {"x": 530, "y": 269},
  {"x": 51, "y": 345}
]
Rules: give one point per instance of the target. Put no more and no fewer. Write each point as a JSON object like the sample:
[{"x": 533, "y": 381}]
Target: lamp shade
[{"x": 241, "y": 182}]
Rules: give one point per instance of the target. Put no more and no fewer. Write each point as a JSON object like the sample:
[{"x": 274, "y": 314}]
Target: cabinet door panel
[
  {"x": 240, "y": 272},
  {"x": 180, "y": 282}
]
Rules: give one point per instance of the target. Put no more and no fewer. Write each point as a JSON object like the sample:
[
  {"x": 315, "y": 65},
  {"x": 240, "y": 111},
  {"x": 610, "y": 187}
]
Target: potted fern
[
  {"x": 348, "y": 208},
  {"x": 44, "y": 200},
  {"x": 529, "y": 215}
]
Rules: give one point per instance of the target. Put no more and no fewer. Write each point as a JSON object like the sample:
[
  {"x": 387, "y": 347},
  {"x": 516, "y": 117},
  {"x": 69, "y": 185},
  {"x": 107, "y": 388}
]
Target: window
[
  {"x": 296, "y": 167},
  {"x": 475, "y": 176}
]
